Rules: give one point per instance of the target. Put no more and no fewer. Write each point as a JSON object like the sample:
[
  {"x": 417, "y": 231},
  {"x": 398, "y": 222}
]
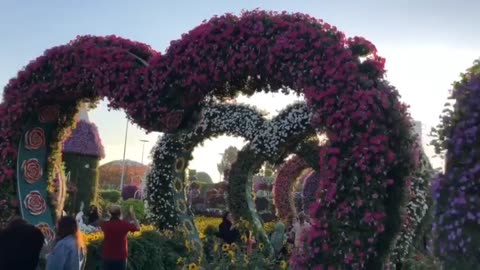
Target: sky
[{"x": 427, "y": 43}]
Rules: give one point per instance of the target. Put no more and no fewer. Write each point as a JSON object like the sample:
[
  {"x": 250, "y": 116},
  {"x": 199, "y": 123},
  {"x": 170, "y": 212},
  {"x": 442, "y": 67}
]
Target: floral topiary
[
  {"x": 283, "y": 186},
  {"x": 84, "y": 140},
  {"x": 369, "y": 130},
  {"x": 456, "y": 192},
  {"x": 310, "y": 187}
]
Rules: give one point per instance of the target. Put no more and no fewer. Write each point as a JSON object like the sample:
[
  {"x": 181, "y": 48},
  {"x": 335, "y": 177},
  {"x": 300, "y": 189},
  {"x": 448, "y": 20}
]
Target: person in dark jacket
[
  {"x": 227, "y": 230},
  {"x": 20, "y": 245},
  {"x": 93, "y": 216}
]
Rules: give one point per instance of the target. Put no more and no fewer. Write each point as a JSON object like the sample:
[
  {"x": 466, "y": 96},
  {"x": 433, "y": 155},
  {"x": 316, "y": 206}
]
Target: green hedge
[
  {"x": 150, "y": 251},
  {"x": 138, "y": 208},
  {"x": 84, "y": 175},
  {"x": 110, "y": 195}
]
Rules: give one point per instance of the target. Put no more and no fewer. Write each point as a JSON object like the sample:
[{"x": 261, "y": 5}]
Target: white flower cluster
[
  {"x": 292, "y": 121},
  {"x": 160, "y": 192},
  {"x": 416, "y": 209}
]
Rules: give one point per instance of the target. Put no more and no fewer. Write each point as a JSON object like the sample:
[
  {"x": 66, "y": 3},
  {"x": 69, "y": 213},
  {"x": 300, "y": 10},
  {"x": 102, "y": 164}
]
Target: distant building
[{"x": 418, "y": 130}]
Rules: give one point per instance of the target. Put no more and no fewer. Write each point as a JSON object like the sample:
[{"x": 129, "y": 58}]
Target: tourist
[
  {"x": 115, "y": 243},
  {"x": 227, "y": 230},
  {"x": 278, "y": 238},
  {"x": 20, "y": 245},
  {"x": 93, "y": 216},
  {"x": 69, "y": 252},
  {"x": 299, "y": 227}
]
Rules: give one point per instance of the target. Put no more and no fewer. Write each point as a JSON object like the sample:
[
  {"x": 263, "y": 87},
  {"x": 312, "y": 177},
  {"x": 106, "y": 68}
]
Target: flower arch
[
  {"x": 166, "y": 182},
  {"x": 456, "y": 191},
  {"x": 173, "y": 152},
  {"x": 341, "y": 79},
  {"x": 283, "y": 185},
  {"x": 310, "y": 187}
]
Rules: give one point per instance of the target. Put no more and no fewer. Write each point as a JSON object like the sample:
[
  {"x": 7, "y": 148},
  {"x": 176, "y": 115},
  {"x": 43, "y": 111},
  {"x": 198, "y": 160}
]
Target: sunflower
[
  {"x": 245, "y": 258},
  {"x": 225, "y": 247},
  {"x": 244, "y": 238},
  {"x": 283, "y": 265},
  {"x": 261, "y": 246},
  {"x": 233, "y": 246},
  {"x": 193, "y": 266}
]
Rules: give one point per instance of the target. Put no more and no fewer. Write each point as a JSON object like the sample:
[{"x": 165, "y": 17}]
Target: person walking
[
  {"x": 20, "y": 245},
  {"x": 69, "y": 252},
  {"x": 115, "y": 243}
]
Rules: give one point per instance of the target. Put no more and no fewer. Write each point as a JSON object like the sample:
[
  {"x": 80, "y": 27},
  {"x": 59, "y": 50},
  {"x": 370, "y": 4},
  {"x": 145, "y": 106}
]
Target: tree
[
  {"x": 111, "y": 173},
  {"x": 203, "y": 177},
  {"x": 228, "y": 158}
]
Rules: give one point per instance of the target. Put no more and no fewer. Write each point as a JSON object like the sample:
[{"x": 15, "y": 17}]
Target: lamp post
[
  {"x": 143, "y": 147},
  {"x": 220, "y": 173},
  {"x": 124, "y": 152}
]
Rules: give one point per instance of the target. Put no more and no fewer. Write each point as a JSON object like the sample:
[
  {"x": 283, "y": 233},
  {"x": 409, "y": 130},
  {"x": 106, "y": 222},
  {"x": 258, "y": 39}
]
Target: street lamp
[
  {"x": 124, "y": 152},
  {"x": 143, "y": 147}
]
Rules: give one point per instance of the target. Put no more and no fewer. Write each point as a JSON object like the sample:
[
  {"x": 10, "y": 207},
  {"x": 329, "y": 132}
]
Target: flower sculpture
[
  {"x": 84, "y": 140},
  {"x": 310, "y": 187},
  {"x": 457, "y": 191},
  {"x": 282, "y": 189},
  {"x": 341, "y": 79}
]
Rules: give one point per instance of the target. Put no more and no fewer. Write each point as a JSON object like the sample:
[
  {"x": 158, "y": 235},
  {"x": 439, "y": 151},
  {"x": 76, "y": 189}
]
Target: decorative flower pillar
[{"x": 81, "y": 153}]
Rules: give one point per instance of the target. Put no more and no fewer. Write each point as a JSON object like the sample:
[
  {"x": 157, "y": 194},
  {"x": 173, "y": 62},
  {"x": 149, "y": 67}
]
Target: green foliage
[
  {"x": 84, "y": 175},
  {"x": 203, "y": 177},
  {"x": 149, "y": 251},
  {"x": 420, "y": 261},
  {"x": 110, "y": 195},
  {"x": 138, "y": 208}
]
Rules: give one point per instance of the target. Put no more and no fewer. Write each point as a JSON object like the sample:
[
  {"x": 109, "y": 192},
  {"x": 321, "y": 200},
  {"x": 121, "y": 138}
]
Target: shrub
[
  {"x": 138, "y": 208},
  {"x": 148, "y": 250},
  {"x": 110, "y": 195}
]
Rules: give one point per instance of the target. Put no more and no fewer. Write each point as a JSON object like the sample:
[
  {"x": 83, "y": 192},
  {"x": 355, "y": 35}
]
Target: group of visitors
[
  {"x": 229, "y": 233},
  {"x": 22, "y": 244}
]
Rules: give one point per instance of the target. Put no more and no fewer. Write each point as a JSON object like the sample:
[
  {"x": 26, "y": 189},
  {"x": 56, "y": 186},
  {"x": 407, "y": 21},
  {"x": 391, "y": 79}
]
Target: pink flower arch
[
  {"x": 341, "y": 78},
  {"x": 282, "y": 187}
]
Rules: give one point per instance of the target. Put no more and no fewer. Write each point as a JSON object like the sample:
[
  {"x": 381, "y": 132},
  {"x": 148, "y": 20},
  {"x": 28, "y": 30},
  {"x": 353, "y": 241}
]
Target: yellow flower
[
  {"x": 283, "y": 265},
  {"x": 245, "y": 258},
  {"x": 225, "y": 247},
  {"x": 233, "y": 246},
  {"x": 231, "y": 254},
  {"x": 193, "y": 266},
  {"x": 180, "y": 260},
  {"x": 244, "y": 238},
  {"x": 261, "y": 246}
]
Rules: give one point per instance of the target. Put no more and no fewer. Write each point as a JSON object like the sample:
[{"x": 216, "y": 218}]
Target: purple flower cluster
[
  {"x": 310, "y": 186},
  {"x": 131, "y": 192},
  {"x": 457, "y": 191},
  {"x": 84, "y": 140}
]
